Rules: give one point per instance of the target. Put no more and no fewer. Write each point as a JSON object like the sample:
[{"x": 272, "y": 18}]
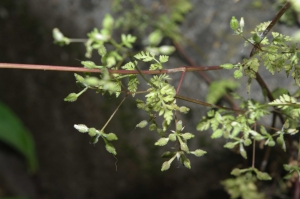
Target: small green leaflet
[
  {"x": 132, "y": 84},
  {"x": 163, "y": 58},
  {"x": 127, "y": 40},
  {"x": 129, "y": 66},
  {"x": 144, "y": 56}
]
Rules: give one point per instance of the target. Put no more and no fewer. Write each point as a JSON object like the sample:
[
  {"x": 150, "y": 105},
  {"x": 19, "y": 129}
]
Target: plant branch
[
  {"x": 276, "y": 18},
  {"x": 259, "y": 79},
  {"x": 253, "y": 150},
  {"x": 270, "y": 26},
  {"x": 78, "y": 69},
  {"x": 191, "y": 62},
  {"x": 180, "y": 82},
  {"x": 112, "y": 115},
  {"x": 207, "y": 104}
]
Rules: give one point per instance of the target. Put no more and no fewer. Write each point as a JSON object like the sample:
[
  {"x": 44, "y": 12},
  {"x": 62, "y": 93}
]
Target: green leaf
[
  {"x": 199, "y": 152},
  {"x": 95, "y": 139},
  {"x": 161, "y": 142},
  {"x": 168, "y": 116},
  {"x": 287, "y": 167},
  {"x": 72, "y": 97},
  {"x": 247, "y": 142},
  {"x": 133, "y": 84},
  {"x": 227, "y": 66},
  {"x": 236, "y": 172},
  {"x": 256, "y": 38},
  {"x": 234, "y": 24},
  {"x": 168, "y": 154},
  {"x": 110, "y": 148},
  {"x": 89, "y": 64},
  {"x": 187, "y": 136},
  {"x": 179, "y": 126},
  {"x": 184, "y": 147},
  {"x": 152, "y": 127},
  {"x": 288, "y": 176},
  {"x": 263, "y": 130},
  {"x": 128, "y": 40},
  {"x": 217, "y": 134},
  {"x": 218, "y": 89},
  {"x": 102, "y": 52},
  {"x": 155, "y": 66},
  {"x": 108, "y": 22},
  {"x": 163, "y": 58},
  {"x": 166, "y": 165},
  {"x": 263, "y": 175},
  {"x": 230, "y": 145},
  {"x": 142, "y": 124},
  {"x": 166, "y": 50},
  {"x": 15, "y": 134},
  {"x": 155, "y": 38},
  {"x": 144, "y": 56},
  {"x": 79, "y": 78},
  {"x": 203, "y": 125},
  {"x": 187, "y": 163},
  {"x": 238, "y": 74},
  {"x": 184, "y": 109},
  {"x": 253, "y": 64},
  {"x": 281, "y": 142},
  {"x": 111, "y": 137},
  {"x": 92, "y": 131},
  {"x": 92, "y": 81},
  {"x": 242, "y": 151},
  {"x": 129, "y": 66},
  {"x": 172, "y": 137},
  {"x": 271, "y": 143}
]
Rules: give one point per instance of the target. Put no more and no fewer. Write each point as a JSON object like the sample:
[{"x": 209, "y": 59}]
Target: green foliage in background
[{"x": 13, "y": 133}]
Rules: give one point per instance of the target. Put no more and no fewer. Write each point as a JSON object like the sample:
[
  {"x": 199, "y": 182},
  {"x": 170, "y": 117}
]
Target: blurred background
[{"x": 67, "y": 165}]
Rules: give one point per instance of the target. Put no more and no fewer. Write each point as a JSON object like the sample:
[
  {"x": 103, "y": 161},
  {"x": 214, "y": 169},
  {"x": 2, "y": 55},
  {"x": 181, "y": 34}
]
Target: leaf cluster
[
  {"x": 96, "y": 134},
  {"x": 242, "y": 187}
]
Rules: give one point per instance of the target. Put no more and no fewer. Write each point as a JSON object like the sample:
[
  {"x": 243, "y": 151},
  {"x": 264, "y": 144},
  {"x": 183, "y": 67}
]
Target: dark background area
[{"x": 70, "y": 167}]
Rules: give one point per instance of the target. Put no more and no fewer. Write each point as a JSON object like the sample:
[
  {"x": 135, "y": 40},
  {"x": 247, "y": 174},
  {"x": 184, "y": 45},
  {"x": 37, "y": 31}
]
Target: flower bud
[{"x": 234, "y": 24}]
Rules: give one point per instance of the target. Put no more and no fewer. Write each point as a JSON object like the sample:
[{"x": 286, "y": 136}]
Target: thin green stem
[
  {"x": 253, "y": 150},
  {"x": 85, "y": 89},
  {"x": 142, "y": 75},
  {"x": 207, "y": 104},
  {"x": 74, "y": 40},
  {"x": 113, "y": 114}
]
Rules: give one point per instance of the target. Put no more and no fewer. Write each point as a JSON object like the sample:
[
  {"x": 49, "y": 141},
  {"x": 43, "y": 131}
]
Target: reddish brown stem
[
  {"x": 191, "y": 62},
  {"x": 180, "y": 82},
  {"x": 78, "y": 69}
]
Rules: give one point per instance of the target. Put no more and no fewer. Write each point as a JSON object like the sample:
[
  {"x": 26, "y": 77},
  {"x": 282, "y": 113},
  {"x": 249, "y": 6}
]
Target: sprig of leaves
[{"x": 96, "y": 134}]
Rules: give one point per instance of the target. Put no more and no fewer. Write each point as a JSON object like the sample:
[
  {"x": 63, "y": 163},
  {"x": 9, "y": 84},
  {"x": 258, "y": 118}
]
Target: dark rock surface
[{"x": 71, "y": 168}]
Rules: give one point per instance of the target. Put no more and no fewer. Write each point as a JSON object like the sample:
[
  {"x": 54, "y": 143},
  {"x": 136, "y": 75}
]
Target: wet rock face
[{"x": 69, "y": 166}]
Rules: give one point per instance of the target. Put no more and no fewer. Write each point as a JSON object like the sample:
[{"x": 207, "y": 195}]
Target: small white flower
[{"x": 81, "y": 128}]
